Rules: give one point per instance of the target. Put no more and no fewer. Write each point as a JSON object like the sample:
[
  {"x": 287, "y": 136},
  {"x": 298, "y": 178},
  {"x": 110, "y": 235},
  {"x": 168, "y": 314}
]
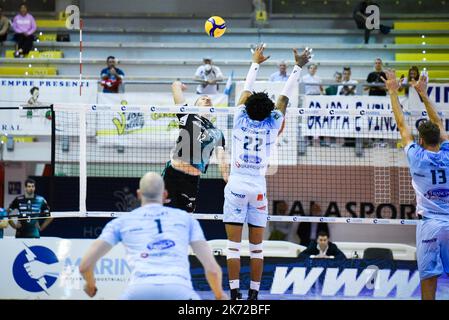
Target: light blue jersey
[
  {"x": 252, "y": 142},
  {"x": 157, "y": 241},
  {"x": 430, "y": 179}
]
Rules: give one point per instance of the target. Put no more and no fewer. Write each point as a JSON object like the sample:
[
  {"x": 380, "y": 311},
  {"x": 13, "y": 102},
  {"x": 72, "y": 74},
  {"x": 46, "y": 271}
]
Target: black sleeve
[
  {"x": 337, "y": 253},
  {"x": 311, "y": 250},
  {"x": 223, "y": 141},
  {"x": 370, "y": 78},
  {"x": 14, "y": 204}
]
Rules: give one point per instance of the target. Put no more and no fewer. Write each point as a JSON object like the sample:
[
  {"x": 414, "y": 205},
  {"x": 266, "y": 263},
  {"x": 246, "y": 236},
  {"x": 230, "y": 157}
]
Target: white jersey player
[
  {"x": 156, "y": 239},
  {"x": 257, "y": 123}
]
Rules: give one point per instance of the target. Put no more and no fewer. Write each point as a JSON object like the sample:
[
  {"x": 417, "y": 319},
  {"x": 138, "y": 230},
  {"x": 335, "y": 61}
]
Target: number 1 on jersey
[{"x": 159, "y": 225}]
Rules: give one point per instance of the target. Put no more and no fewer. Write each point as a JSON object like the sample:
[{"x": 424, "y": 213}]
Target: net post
[{"x": 83, "y": 161}]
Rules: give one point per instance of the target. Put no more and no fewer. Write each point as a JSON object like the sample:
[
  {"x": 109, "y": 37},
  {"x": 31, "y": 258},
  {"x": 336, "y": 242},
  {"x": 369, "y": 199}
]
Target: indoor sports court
[{"x": 298, "y": 146}]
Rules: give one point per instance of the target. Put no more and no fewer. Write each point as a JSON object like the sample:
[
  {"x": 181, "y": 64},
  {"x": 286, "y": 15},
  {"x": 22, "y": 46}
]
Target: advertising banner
[
  {"x": 47, "y": 268},
  {"x": 39, "y": 93}
]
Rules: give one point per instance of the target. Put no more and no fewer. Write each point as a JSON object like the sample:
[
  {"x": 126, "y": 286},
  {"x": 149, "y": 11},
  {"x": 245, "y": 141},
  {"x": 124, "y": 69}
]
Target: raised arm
[
  {"x": 258, "y": 58},
  {"x": 287, "y": 92},
  {"x": 392, "y": 85},
  {"x": 177, "y": 89},
  {"x": 421, "y": 87}
]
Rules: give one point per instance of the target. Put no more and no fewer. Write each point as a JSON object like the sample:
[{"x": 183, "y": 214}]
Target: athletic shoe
[
  {"x": 252, "y": 294},
  {"x": 235, "y": 294}
]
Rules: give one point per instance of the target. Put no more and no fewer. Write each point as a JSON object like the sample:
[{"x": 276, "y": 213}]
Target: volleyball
[{"x": 215, "y": 26}]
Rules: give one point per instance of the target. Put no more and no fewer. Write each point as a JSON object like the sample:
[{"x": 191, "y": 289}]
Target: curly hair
[{"x": 259, "y": 106}]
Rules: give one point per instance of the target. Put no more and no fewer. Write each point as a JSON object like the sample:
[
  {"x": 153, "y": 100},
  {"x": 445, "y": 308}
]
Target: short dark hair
[
  {"x": 29, "y": 180},
  {"x": 429, "y": 132},
  {"x": 346, "y": 68},
  {"x": 23, "y": 4},
  {"x": 110, "y": 57},
  {"x": 259, "y": 106},
  {"x": 322, "y": 234},
  {"x": 33, "y": 89}
]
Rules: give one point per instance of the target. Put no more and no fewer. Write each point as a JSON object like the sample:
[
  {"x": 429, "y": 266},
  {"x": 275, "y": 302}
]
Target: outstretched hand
[
  {"x": 258, "y": 56},
  {"x": 303, "y": 58},
  {"x": 391, "y": 83},
  {"x": 420, "y": 85}
]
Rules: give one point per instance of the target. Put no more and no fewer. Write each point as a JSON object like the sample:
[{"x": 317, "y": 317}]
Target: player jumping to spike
[{"x": 256, "y": 125}]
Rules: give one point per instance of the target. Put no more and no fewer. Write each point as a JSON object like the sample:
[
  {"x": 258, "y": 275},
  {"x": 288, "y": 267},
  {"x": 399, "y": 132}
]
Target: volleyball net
[{"x": 350, "y": 161}]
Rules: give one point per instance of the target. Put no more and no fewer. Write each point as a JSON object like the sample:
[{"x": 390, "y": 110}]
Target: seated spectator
[
  {"x": 4, "y": 26},
  {"x": 359, "y": 14},
  {"x": 332, "y": 90},
  {"x": 308, "y": 231},
  {"x": 280, "y": 75},
  {"x": 260, "y": 15},
  {"x": 209, "y": 76},
  {"x": 322, "y": 248},
  {"x": 112, "y": 77},
  {"x": 310, "y": 79},
  {"x": 24, "y": 27},
  {"x": 344, "y": 89},
  {"x": 413, "y": 74}
]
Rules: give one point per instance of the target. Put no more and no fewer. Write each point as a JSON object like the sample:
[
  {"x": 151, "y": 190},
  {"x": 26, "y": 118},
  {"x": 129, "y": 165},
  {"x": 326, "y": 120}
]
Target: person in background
[
  {"x": 4, "y": 26},
  {"x": 32, "y": 206},
  {"x": 24, "y": 26},
  {"x": 333, "y": 89},
  {"x": 112, "y": 77},
  {"x": 322, "y": 248},
  {"x": 413, "y": 74},
  {"x": 280, "y": 75},
  {"x": 312, "y": 81},
  {"x": 312, "y": 86},
  {"x": 360, "y": 16},
  {"x": 345, "y": 89},
  {"x": 209, "y": 75},
  {"x": 375, "y": 77}
]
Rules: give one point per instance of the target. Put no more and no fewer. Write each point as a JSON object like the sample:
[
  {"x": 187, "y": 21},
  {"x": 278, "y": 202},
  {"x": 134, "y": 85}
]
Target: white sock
[
  {"x": 254, "y": 285},
  {"x": 234, "y": 284}
]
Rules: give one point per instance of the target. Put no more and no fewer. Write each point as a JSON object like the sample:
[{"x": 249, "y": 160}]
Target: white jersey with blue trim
[
  {"x": 252, "y": 142},
  {"x": 157, "y": 241},
  {"x": 430, "y": 179}
]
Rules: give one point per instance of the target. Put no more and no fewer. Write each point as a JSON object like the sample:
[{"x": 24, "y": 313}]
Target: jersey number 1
[
  {"x": 440, "y": 179},
  {"x": 159, "y": 225}
]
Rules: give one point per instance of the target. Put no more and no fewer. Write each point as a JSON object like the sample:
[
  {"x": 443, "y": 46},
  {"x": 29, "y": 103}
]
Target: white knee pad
[
  {"x": 256, "y": 247},
  {"x": 235, "y": 252}
]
